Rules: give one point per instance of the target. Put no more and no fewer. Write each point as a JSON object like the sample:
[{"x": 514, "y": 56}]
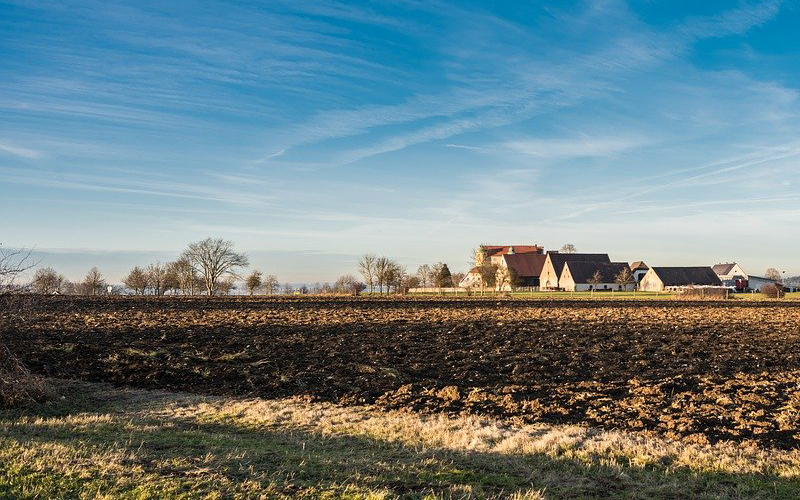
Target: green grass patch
[{"x": 100, "y": 442}]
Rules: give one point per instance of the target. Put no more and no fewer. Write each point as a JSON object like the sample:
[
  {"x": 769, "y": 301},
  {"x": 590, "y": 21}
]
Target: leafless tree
[
  {"x": 348, "y": 284},
  {"x": 136, "y": 280},
  {"x": 624, "y": 278},
  {"x": 254, "y": 282},
  {"x": 773, "y": 274},
  {"x": 186, "y": 274},
  {"x": 156, "y": 275},
  {"x": 214, "y": 259},
  {"x": 288, "y": 289},
  {"x": 366, "y": 266},
  {"x": 504, "y": 277},
  {"x": 47, "y": 281},
  {"x": 412, "y": 281},
  {"x": 489, "y": 274},
  {"x": 595, "y": 280},
  {"x": 382, "y": 270},
  {"x": 395, "y": 277},
  {"x": 271, "y": 284},
  {"x": 568, "y": 248},
  {"x": 226, "y": 285},
  {"x": 93, "y": 283},
  {"x": 172, "y": 278},
  {"x": 424, "y": 274},
  {"x": 13, "y": 263}
]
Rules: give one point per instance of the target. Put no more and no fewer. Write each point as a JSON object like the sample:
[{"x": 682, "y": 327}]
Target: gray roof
[
  {"x": 558, "y": 259},
  {"x": 583, "y": 271},
  {"x": 723, "y": 269},
  {"x": 684, "y": 276}
]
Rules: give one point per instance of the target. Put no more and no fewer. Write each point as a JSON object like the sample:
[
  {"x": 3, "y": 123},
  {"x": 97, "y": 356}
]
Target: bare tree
[
  {"x": 271, "y": 284},
  {"x": 568, "y": 248},
  {"x": 214, "y": 259},
  {"x": 156, "y": 275},
  {"x": 595, "y": 280},
  {"x": 226, "y": 285},
  {"x": 773, "y": 274},
  {"x": 395, "y": 277},
  {"x": 488, "y": 274},
  {"x": 457, "y": 278},
  {"x": 47, "y": 281},
  {"x": 424, "y": 274},
  {"x": 624, "y": 277},
  {"x": 383, "y": 273},
  {"x": 254, "y": 282},
  {"x": 348, "y": 284},
  {"x": 13, "y": 263},
  {"x": 186, "y": 274},
  {"x": 288, "y": 289},
  {"x": 366, "y": 266},
  {"x": 93, "y": 283},
  {"x": 136, "y": 280},
  {"x": 172, "y": 278}
]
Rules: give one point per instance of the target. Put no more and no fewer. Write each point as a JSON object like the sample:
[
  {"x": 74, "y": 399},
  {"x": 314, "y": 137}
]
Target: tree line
[{"x": 386, "y": 275}]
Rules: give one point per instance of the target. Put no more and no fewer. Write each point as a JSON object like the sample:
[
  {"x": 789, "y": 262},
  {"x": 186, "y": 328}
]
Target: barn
[
  {"x": 660, "y": 279},
  {"x": 577, "y": 275}
]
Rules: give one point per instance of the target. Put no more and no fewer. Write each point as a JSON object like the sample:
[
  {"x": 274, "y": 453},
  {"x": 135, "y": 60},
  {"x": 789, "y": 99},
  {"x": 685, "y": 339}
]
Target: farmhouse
[
  {"x": 554, "y": 264},
  {"x": 639, "y": 269},
  {"x": 731, "y": 274},
  {"x": 756, "y": 282},
  {"x": 524, "y": 269},
  {"x": 577, "y": 275},
  {"x": 521, "y": 261},
  {"x": 659, "y": 279}
]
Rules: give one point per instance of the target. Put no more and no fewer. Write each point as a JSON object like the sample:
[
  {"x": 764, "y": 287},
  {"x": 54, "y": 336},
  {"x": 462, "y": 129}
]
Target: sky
[{"x": 311, "y": 132}]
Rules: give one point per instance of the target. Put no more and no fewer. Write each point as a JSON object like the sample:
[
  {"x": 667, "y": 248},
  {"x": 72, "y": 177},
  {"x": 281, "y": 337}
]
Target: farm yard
[{"x": 699, "y": 375}]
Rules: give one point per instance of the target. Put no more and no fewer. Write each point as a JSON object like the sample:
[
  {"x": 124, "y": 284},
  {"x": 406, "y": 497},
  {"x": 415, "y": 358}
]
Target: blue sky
[{"x": 311, "y": 132}]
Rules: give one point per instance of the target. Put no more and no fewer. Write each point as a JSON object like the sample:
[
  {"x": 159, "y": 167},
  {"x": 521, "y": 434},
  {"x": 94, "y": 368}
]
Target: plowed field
[{"x": 699, "y": 371}]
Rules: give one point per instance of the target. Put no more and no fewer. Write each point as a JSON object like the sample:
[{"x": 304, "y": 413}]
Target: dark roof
[
  {"x": 526, "y": 265},
  {"x": 682, "y": 276},
  {"x": 636, "y": 266},
  {"x": 559, "y": 259},
  {"x": 723, "y": 269},
  {"x": 583, "y": 271}
]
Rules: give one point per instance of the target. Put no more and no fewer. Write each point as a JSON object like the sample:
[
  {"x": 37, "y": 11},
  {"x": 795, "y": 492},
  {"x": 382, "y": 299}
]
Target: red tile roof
[{"x": 492, "y": 250}]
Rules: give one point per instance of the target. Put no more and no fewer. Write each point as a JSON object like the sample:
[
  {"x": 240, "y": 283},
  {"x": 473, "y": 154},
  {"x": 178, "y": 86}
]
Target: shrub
[
  {"x": 17, "y": 384},
  {"x": 774, "y": 291}
]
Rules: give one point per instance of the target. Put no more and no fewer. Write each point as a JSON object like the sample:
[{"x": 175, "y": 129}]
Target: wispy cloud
[{"x": 11, "y": 149}]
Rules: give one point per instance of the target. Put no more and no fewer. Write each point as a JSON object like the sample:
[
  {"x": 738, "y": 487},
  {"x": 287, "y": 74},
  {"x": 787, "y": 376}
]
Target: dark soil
[{"x": 699, "y": 371}]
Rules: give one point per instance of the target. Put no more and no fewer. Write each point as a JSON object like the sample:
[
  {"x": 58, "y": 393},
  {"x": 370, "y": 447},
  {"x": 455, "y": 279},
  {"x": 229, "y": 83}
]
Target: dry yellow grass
[{"x": 101, "y": 442}]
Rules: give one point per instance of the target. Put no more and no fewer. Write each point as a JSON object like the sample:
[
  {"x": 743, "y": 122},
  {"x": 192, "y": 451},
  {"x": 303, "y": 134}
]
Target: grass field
[{"x": 95, "y": 441}]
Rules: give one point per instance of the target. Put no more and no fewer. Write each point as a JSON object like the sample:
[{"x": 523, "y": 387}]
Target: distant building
[
  {"x": 731, "y": 274},
  {"x": 577, "y": 274},
  {"x": 554, "y": 264},
  {"x": 525, "y": 267},
  {"x": 495, "y": 253},
  {"x": 660, "y": 279},
  {"x": 639, "y": 269},
  {"x": 525, "y": 261},
  {"x": 756, "y": 282}
]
